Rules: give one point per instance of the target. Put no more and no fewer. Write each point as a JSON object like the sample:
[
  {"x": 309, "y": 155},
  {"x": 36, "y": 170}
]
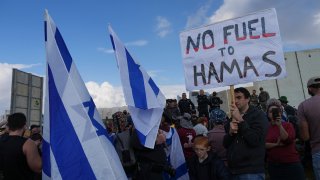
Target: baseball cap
[
  {"x": 314, "y": 80},
  {"x": 283, "y": 99}
]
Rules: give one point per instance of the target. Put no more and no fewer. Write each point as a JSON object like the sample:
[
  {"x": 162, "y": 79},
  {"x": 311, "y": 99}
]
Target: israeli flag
[
  {"x": 75, "y": 144},
  {"x": 143, "y": 97},
  {"x": 175, "y": 156}
]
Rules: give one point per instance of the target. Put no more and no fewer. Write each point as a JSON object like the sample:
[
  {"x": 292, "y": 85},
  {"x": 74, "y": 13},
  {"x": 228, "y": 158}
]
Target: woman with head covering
[
  {"x": 217, "y": 120},
  {"x": 282, "y": 157}
]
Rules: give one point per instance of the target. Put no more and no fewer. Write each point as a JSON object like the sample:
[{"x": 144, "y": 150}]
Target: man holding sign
[
  {"x": 245, "y": 138},
  {"x": 237, "y": 51}
]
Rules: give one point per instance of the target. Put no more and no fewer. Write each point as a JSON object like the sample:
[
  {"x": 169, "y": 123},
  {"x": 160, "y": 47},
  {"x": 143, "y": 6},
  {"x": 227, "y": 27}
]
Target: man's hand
[
  {"x": 233, "y": 127},
  {"x": 235, "y": 113}
]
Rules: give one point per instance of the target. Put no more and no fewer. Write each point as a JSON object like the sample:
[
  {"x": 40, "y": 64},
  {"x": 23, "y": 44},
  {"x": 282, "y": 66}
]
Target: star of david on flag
[{"x": 75, "y": 141}]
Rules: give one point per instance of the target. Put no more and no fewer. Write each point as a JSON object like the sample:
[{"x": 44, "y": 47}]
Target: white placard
[{"x": 235, "y": 51}]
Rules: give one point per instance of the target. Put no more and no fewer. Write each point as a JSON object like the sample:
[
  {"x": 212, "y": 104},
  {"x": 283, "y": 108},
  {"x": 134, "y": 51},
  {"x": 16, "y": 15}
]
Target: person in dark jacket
[
  {"x": 214, "y": 101},
  {"x": 291, "y": 111},
  {"x": 151, "y": 162},
  {"x": 263, "y": 98},
  {"x": 203, "y": 103},
  {"x": 171, "y": 110},
  {"x": 245, "y": 138},
  {"x": 206, "y": 165},
  {"x": 185, "y": 105},
  {"x": 254, "y": 99}
]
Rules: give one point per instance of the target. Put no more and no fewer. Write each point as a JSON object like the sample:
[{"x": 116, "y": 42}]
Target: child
[{"x": 206, "y": 165}]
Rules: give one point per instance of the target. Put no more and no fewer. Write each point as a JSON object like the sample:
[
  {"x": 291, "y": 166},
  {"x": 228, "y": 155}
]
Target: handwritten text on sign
[{"x": 235, "y": 51}]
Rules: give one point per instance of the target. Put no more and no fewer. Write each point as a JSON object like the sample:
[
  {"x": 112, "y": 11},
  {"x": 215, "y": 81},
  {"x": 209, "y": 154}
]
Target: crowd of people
[{"x": 259, "y": 140}]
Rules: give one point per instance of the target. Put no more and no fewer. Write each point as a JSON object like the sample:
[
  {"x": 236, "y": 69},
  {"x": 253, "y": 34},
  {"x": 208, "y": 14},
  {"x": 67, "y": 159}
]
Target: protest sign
[{"x": 235, "y": 51}]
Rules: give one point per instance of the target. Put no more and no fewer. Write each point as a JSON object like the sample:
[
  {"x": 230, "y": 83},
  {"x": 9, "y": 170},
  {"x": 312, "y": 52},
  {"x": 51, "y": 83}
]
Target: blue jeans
[
  {"x": 257, "y": 176},
  {"x": 316, "y": 165}
]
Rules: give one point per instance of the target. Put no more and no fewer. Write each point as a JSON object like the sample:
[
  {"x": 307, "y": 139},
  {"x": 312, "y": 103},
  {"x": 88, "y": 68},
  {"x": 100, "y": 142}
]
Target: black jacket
[
  {"x": 211, "y": 168},
  {"x": 172, "y": 113},
  {"x": 291, "y": 111},
  {"x": 151, "y": 162},
  {"x": 184, "y": 106},
  {"x": 144, "y": 154},
  {"x": 246, "y": 149},
  {"x": 215, "y": 102},
  {"x": 203, "y": 102}
]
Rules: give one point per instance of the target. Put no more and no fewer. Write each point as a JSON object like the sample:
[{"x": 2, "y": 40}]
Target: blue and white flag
[
  {"x": 143, "y": 97},
  {"x": 75, "y": 144},
  {"x": 175, "y": 156}
]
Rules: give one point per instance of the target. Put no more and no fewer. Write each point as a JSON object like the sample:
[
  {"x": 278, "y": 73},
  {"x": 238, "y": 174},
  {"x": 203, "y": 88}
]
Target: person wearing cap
[
  {"x": 218, "y": 118},
  {"x": 19, "y": 157},
  {"x": 290, "y": 111},
  {"x": 309, "y": 122},
  {"x": 282, "y": 156}
]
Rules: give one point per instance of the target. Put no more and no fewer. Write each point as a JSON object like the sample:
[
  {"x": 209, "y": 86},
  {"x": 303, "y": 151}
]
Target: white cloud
[
  {"x": 104, "y": 95},
  {"x": 154, "y": 73},
  {"x": 137, "y": 43},
  {"x": 6, "y": 81},
  {"x": 299, "y": 21},
  {"x": 107, "y": 96},
  {"x": 133, "y": 43},
  {"x": 105, "y": 50},
  {"x": 172, "y": 91},
  {"x": 317, "y": 19},
  {"x": 163, "y": 27},
  {"x": 200, "y": 17}
]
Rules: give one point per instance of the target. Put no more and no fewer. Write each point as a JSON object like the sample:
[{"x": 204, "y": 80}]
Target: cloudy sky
[{"x": 149, "y": 29}]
